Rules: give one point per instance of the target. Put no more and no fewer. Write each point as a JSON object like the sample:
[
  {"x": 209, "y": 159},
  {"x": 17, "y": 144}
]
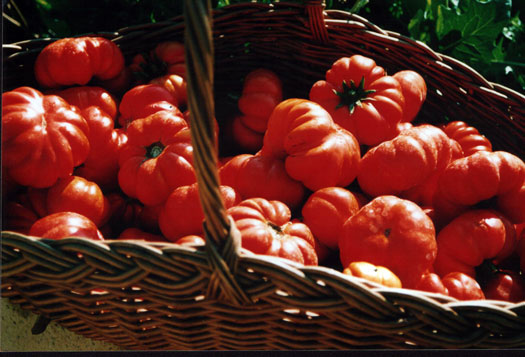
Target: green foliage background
[{"x": 488, "y": 35}]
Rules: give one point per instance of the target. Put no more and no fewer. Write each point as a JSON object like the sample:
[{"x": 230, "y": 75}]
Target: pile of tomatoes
[{"x": 102, "y": 150}]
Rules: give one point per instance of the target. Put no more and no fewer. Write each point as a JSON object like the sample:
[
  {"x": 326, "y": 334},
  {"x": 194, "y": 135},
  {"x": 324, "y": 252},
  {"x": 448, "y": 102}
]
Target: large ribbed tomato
[
  {"x": 462, "y": 286},
  {"x": 84, "y": 97},
  {"x": 470, "y": 239},
  {"x": 265, "y": 228},
  {"x": 76, "y": 194},
  {"x": 326, "y": 211},
  {"x": 75, "y": 61},
  {"x": 157, "y": 158},
  {"x": 43, "y": 137},
  {"x": 414, "y": 90},
  {"x": 181, "y": 215},
  {"x": 315, "y": 150},
  {"x": 468, "y": 137},
  {"x": 166, "y": 57},
  {"x": 65, "y": 224},
  {"x": 482, "y": 176},
  {"x": 262, "y": 176},
  {"x": 391, "y": 232},
  {"x": 262, "y": 91},
  {"x": 404, "y": 162},
  {"x": 22, "y": 211},
  {"x": 361, "y": 98},
  {"x": 143, "y": 100},
  {"x": 505, "y": 285}
]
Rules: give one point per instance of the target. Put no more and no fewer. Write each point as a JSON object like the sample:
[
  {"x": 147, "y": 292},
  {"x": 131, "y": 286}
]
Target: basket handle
[{"x": 222, "y": 237}]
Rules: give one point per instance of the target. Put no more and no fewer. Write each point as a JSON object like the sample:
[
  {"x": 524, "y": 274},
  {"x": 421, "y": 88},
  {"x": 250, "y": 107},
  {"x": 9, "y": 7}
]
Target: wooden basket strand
[
  {"x": 142, "y": 295},
  {"x": 222, "y": 239}
]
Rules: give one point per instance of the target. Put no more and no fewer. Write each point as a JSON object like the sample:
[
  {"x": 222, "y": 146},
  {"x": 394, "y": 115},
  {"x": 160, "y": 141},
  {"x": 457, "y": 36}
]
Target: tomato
[
  {"x": 143, "y": 100},
  {"x": 431, "y": 282},
  {"x": 191, "y": 240},
  {"x": 171, "y": 53},
  {"x": 76, "y": 194},
  {"x": 462, "y": 286},
  {"x": 414, "y": 91},
  {"x": 316, "y": 152},
  {"x": 87, "y": 96},
  {"x": 505, "y": 285},
  {"x": 326, "y": 211},
  {"x": 75, "y": 61},
  {"x": 65, "y": 224},
  {"x": 138, "y": 234},
  {"x": 391, "y": 232},
  {"x": 165, "y": 58},
  {"x": 248, "y": 139},
  {"x": 43, "y": 137},
  {"x": 470, "y": 239},
  {"x": 182, "y": 214},
  {"x": 468, "y": 137},
  {"x": 157, "y": 158},
  {"x": 376, "y": 273},
  {"x": 174, "y": 84},
  {"x": 262, "y": 176},
  {"x": 20, "y": 213},
  {"x": 101, "y": 165},
  {"x": 265, "y": 228},
  {"x": 262, "y": 91},
  {"x": 520, "y": 249},
  {"x": 406, "y": 161},
  {"x": 482, "y": 176},
  {"x": 513, "y": 204},
  {"x": 124, "y": 211},
  {"x": 361, "y": 98}
]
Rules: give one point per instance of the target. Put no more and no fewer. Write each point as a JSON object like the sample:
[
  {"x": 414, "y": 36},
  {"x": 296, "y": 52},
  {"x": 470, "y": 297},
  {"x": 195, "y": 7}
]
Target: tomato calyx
[
  {"x": 352, "y": 95},
  {"x": 154, "y": 150}
]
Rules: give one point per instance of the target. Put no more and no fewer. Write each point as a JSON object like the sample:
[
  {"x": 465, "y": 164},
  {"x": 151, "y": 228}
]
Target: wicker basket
[{"x": 158, "y": 296}]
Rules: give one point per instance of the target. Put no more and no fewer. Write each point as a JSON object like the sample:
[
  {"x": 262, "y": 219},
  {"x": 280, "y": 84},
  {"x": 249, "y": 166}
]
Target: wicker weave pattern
[
  {"x": 154, "y": 296},
  {"x": 154, "y": 299}
]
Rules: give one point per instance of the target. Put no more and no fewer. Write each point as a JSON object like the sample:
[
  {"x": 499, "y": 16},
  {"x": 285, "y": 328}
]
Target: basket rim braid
[{"x": 155, "y": 296}]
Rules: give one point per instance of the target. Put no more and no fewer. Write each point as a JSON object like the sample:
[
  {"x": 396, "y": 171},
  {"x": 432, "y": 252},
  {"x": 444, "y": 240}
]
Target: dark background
[{"x": 488, "y": 35}]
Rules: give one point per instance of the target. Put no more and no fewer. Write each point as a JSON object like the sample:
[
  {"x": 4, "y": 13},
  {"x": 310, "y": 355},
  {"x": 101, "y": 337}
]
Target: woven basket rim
[{"x": 513, "y": 311}]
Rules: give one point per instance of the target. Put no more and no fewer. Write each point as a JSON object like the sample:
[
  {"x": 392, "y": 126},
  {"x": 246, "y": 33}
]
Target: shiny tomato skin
[{"x": 65, "y": 224}]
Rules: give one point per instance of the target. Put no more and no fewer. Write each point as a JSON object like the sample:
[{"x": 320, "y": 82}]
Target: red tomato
[
  {"x": 265, "y": 228},
  {"x": 182, "y": 214},
  {"x": 43, "y": 137},
  {"x": 76, "y": 194},
  {"x": 138, "y": 234},
  {"x": 316, "y": 152},
  {"x": 157, "y": 158},
  {"x": 262, "y": 176},
  {"x": 65, "y": 224},
  {"x": 249, "y": 140},
  {"x": 174, "y": 84},
  {"x": 393, "y": 233},
  {"x": 262, "y": 91},
  {"x": 414, "y": 90},
  {"x": 431, "y": 282},
  {"x": 75, "y": 61},
  {"x": 462, "y": 286},
  {"x": 470, "y": 239},
  {"x": 361, "y": 98},
  {"x": 326, "y": 211},
  {"x": 505, "y": 285},
  {"x": 87, "y": 96},
  {"x": 144, "y": 100}
]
